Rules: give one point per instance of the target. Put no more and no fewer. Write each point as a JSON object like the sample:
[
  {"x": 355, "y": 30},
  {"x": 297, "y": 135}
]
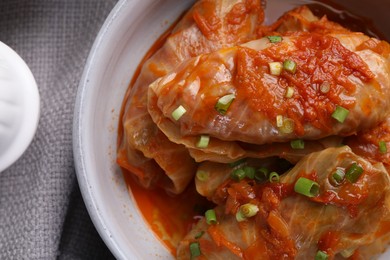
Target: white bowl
[
  {"x": 125, "y": 37},
  {"x": 128, "y": 33},
  {"x": 19, "y": 106}
]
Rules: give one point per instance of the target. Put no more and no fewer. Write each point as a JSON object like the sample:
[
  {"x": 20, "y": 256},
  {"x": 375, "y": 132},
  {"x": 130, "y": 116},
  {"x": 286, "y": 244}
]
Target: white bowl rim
[{"x": 78, "y": 152}]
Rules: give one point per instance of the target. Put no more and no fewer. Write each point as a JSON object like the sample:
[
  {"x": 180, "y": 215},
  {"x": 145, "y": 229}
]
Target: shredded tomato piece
[{"x": 220, "y": 240}]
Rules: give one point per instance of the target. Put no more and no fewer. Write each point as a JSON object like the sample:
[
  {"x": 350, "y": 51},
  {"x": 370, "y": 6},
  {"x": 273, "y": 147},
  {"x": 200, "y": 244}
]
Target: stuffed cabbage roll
[
  {"x": 208, "y": 26},
  {"x": 299, "y": 19},
  {"x": 306, "y": 86},
  {"x": 308, "y": 212}
]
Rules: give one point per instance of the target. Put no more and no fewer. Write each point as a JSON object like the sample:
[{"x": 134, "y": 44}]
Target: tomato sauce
[
  {"x": 170, "y": 217},
  {"x": 320, "y": 60},
  {"x": 329, "y": 242}
]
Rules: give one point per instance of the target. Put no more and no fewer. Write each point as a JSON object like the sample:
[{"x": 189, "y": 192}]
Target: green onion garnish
[
  {"x": 199, "y": 235},
  {"x": 279, "y": 120},
  {"x": 195, "y": 249},
  {"x": 382, "y": 147},
  {"x": 289, "y": 92},
  {"x": 338, "y": 176},
  {"x": 353, "y": 173},
  {"x": 275, "y": 68},
  {"x": 202, "y": 175},
  {"x": 211, "y": 218},
  {"x": 274, "y": 177},
  {"x": 297, "y": 144},
  {"x": 178, "y": 112},
  {"x": 236, "y": 163},
  {"x": 261, "y": 174},
  {"x": 249, "y": 172},
  {"x": 340, "y": 114},
  {"x": 290, "y": 66},
  {"x": 224, "y": 103},
  {"x": 347, "y": 253},
  {"x": 246, "y": 211},
  {"x": 238, "y": 174},
  {"x": 321, "y": 255},
  {"x": 287, "y": 126},
  {"x": 203, "y": 141},
  {"x": 307, "y": 187},
  {"x": 275, "y": 38},
  {"x": 325, "y": 87}
]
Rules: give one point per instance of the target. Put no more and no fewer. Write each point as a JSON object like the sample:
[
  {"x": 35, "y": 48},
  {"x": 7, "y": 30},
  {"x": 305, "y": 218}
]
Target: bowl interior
[{"x": 128, "y": 33}]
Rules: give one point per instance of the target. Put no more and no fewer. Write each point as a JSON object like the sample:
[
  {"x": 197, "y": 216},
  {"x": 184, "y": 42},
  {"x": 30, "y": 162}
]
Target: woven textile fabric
[{"x": 42, "y": 215}]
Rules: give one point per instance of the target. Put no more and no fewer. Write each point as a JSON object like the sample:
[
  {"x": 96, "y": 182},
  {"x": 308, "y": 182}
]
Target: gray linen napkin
[{"x": 42, "y": 215}]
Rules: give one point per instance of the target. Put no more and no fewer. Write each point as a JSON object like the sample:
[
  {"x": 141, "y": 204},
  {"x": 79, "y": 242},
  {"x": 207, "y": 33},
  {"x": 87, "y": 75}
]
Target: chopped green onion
[
  {"x": 275, "y": 68},
  {"x": 211, "y": 218},
  {"x": 290, "y": 66},
  {"x": 195, "y": 249},
  {"x": 289, "y": 92},
  {"x": 325, "y": 87},
  {"x": 236, "y": 163},
  {"x": 274, "y": 177},
  {"x": 203, "y": 141},
  {"x": 279, "y": 120},
  {"x": 238, "y": 174},
  {"x": 246, "y": 211},
  {"x": 382, "y": 147},
  {"x": 287, "y": 126},
  {"x": 340, "y": 114},
  {"x": 338, "y": 176},
  {"x": 178, "y": 112},
  {"x": 240, "y": 217},
  {"x": 224, "y": 103},
  {"x": 199, "y": 235},
  {"x": 347, "y": 253},
  {"x": 307, "y": 187},
  {"x": 275, "y": 38},
  {"x": 321, "y": 255},
  {"x": 261, "y": 174},
  {"x": 249, "y": 172},
  {"x": 202, "y": 175},
  {"x": 297, "y": 144},
  {"x": 353, "y": 173}
]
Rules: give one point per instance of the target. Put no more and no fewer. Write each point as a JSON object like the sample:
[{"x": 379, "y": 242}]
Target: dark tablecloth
[{"x": 42, "y": 215}]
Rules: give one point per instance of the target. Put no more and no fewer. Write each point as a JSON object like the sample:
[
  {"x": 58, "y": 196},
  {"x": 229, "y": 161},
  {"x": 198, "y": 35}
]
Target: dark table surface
[{"x": 42, "y": 214}]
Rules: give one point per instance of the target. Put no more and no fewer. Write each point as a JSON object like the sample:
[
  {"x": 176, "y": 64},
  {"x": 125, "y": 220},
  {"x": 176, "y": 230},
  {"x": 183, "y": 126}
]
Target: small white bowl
[
  {"x": 128, "y": 33},
  {"x": 19, "y": 106}
]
